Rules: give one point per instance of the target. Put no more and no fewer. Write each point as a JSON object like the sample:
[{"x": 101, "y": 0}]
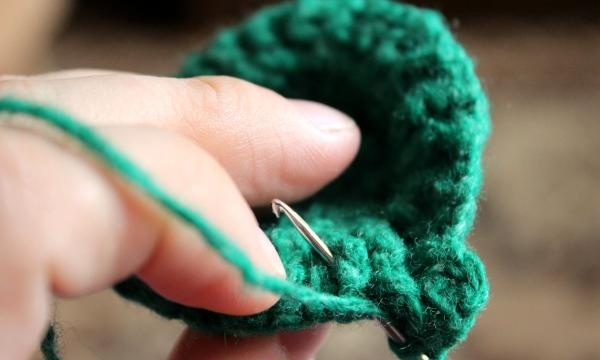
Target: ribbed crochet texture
[{"x": 397, "y": 220}]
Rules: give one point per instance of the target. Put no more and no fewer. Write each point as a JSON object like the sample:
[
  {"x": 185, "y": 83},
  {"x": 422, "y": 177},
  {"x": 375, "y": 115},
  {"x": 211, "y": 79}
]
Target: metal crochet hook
[
  {"x": 313, "y": 239},
  {"x": 321, "y": 248}
]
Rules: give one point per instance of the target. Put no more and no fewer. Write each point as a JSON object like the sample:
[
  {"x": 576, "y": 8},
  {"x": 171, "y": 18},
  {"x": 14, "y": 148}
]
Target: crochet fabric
[{"x": 397, "y": 220}]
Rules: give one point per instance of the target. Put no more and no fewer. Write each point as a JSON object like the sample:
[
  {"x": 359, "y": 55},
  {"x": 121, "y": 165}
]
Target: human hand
[{"x": 221, "y": 145}]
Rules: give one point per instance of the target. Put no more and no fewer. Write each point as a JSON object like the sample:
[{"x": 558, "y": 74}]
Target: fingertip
[
  {"x": 267, "y": 258},
  {"x": 324, "y": 118},
  {"x": 186, "y": 271},
  {"x": 337, "y": 144},
  {"x": 314, "y": 159}
]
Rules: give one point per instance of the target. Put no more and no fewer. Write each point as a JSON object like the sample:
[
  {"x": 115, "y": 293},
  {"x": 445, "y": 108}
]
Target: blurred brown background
[{"x": 539, "y": 225}]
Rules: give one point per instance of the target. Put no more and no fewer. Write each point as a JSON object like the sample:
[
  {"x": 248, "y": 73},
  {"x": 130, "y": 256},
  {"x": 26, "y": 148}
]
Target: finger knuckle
[{"x": 223, "y": 96}]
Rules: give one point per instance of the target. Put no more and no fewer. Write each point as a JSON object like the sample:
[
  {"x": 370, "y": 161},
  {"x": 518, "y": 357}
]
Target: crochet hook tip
[
  {"x": 276, "y": 207},
  {"x": 303, "y": 228}
]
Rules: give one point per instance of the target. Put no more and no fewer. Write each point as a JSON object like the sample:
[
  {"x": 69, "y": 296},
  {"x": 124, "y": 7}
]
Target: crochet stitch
[{"x": 397, "y": 220}]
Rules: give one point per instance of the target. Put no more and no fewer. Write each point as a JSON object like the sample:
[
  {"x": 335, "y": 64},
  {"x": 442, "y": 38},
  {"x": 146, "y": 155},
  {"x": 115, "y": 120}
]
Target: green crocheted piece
[{"x": 397, "y": 220}]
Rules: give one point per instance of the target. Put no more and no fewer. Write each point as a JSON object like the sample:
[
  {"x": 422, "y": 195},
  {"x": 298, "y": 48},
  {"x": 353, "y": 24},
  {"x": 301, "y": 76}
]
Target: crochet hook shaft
[
  {"x": 279, "y": 206},
  {"x": 321, "y": 248}
]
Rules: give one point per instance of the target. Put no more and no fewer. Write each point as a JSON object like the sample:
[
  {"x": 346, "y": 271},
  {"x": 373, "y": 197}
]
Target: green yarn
[
  {"x": 135, "y": 176},
  {"x": 397, "y": 220},
  {"x": 49, "y": 345}
]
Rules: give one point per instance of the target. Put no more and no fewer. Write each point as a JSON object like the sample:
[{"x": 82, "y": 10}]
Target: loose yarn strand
[{"x": 129, "y": 171}]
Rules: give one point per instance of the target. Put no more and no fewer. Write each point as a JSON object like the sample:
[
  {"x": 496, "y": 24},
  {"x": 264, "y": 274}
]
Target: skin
[{"x": 221, "y": 144}]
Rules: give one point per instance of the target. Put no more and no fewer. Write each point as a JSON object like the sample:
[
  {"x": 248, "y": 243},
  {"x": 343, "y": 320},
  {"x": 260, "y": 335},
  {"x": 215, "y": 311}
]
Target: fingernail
[
  {"x": 323, "y": 117},
  {"x": 273, "y": 264}
]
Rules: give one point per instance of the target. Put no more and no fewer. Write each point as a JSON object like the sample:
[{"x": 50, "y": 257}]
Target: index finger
[{"x": 271, "y": 146}]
